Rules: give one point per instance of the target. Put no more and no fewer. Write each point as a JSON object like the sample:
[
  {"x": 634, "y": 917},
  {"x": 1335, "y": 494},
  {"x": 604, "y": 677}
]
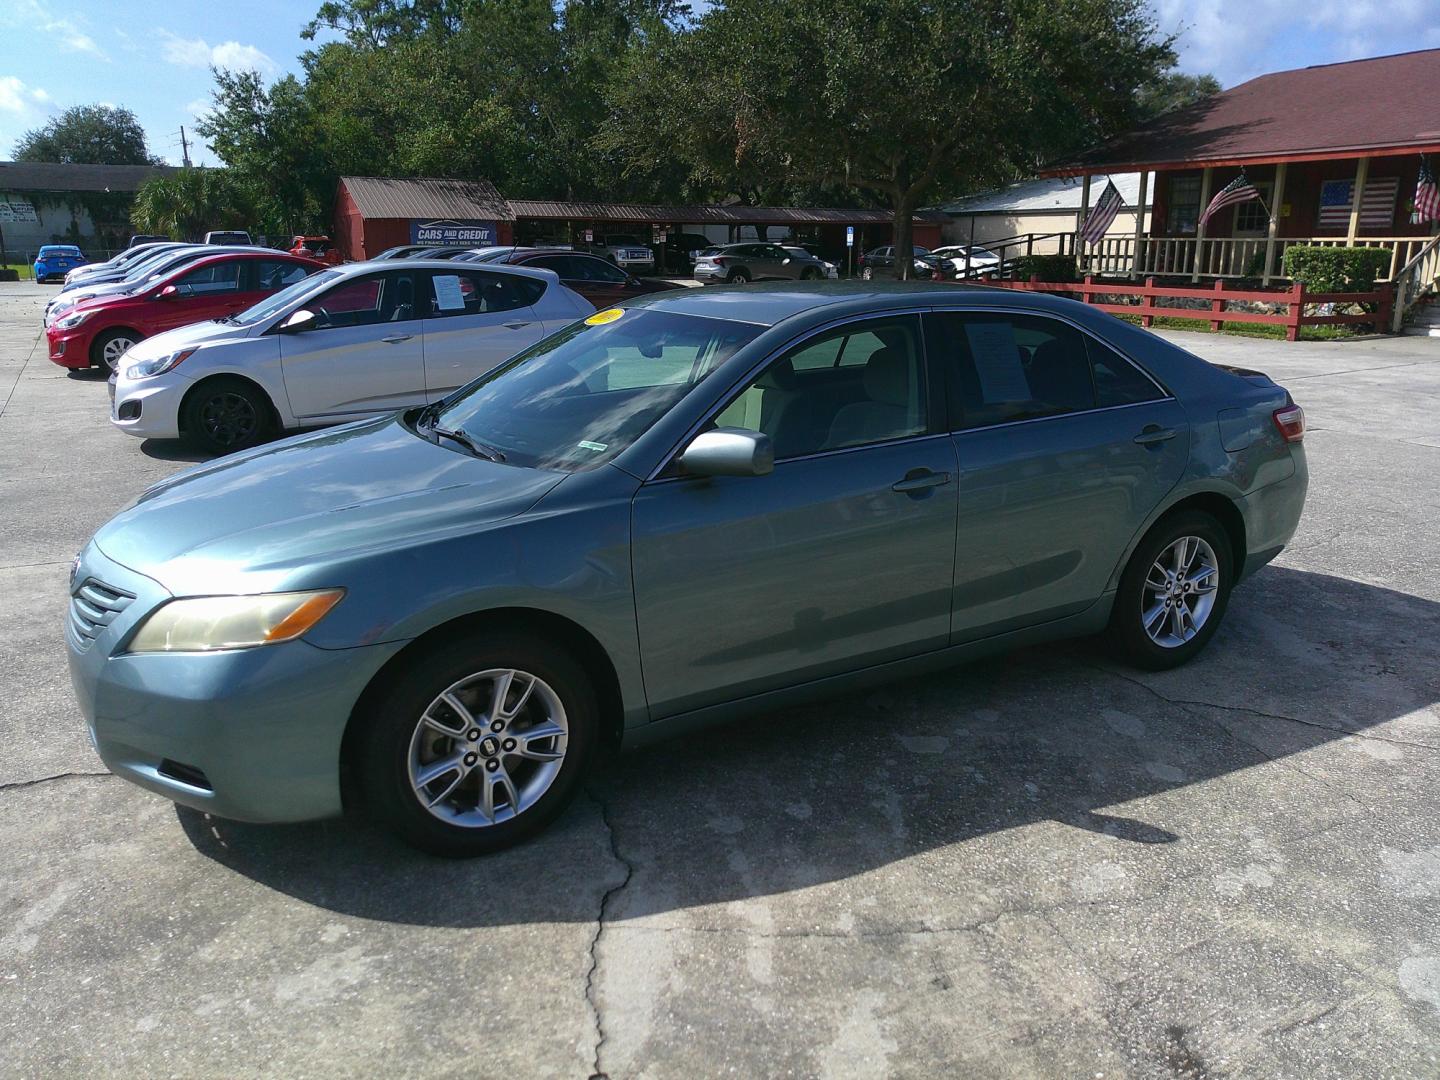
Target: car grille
[
  {"x": 637, "y": 253},
  {"x": 94, "y": 607}
]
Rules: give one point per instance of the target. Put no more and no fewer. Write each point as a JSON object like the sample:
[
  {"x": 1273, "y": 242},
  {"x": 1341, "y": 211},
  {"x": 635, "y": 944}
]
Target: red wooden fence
[{"x": 1294, "y": 298}]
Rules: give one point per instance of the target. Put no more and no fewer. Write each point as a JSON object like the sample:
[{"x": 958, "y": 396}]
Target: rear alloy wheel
[
  {"x": 480, "y": 744},
  {"x": 739, "y": 277},
  {"x": 1173, "y": 592},
  {"x": 809, "y": 274},
  {"x": 227, "y": 415},
  {"x": 109, "y": 347}
]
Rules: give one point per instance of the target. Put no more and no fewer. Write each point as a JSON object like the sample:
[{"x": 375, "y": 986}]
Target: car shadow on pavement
[
  {"x": 1058, "y": 734},
  {"x": 173, "y": 450}
]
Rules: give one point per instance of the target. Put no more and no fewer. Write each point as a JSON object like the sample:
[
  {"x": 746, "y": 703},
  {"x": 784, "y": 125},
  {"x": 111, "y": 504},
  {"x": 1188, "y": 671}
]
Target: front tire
[
  {"x": 225, "y": 415},
  {"x": 1173, "y": 593},
  {"x": 738, "y": 277},
  {"x": 479, "y": 744},
  {"x": 867, "y": 274},
  {"x": 109, "y": 347}
]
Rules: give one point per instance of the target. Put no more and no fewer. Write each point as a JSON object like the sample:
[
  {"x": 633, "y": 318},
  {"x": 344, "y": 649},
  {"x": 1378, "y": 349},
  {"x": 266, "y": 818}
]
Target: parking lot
[{"x": 1043, "y": 865}]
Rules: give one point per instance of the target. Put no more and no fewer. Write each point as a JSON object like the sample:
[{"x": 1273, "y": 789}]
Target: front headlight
[
  {"x": 70, "y": 322},
  {"x": 205, "y": 623},
  {"x": 161, "y": 364}
]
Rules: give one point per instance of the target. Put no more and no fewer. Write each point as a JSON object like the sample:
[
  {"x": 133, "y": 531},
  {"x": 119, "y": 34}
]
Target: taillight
[{"x": 1291, "y": 422}]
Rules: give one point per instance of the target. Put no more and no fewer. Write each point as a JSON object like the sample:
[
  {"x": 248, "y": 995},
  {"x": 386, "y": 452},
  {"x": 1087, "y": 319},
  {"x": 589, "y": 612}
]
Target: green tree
[
  {"x": 1173, "y": 90},
  {"x": 904, "y": 99},
  {"x": 188, "y": 203},
  {"x": 88, "y": 135}
]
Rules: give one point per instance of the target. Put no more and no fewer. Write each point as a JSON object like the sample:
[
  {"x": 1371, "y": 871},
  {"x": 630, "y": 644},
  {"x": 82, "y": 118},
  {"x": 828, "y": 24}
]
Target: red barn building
[{"x": 373, "y": 213}]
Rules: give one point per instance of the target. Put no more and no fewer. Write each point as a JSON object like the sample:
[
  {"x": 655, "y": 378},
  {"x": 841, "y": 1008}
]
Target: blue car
[
  {"x": 702, "y": 503},
  {"x": 57, "y": 260}
]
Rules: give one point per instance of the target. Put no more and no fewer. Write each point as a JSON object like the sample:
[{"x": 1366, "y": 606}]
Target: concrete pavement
[{"x": 1045, "y": 865}]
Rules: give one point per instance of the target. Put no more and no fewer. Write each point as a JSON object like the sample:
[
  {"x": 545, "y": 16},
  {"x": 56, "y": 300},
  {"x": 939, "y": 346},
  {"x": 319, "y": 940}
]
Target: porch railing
[
  {"x": 1417, "y": 278},
  {"x": 1227, "y": 257}
]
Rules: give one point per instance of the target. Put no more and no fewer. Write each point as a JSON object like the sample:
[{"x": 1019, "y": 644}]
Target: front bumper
[
  {"x": 248, "y": 734},
  {"x": 69, "y": 348},
  {"x": 642, "y": 265},
  {"x": 148, "y": 408}
]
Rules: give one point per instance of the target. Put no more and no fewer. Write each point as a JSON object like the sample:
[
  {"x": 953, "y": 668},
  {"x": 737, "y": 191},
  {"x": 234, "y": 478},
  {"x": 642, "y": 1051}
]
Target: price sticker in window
[{"x": 600, "y": 318}]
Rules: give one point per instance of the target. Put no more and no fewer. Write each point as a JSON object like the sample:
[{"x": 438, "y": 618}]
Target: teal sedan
[
  {"x": 54, "y": 261},
  {"x": 703, "y": 503}
]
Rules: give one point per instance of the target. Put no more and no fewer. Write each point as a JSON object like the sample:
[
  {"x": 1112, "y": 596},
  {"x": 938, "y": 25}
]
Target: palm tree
[{"x": 187, "y": 203}]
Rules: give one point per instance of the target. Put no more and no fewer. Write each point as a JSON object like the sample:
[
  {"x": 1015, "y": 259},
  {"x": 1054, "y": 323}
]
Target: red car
[
  {"x": 316, "y": 247},
  {"x": 97, "y": 332},
  {"x": 601, "y": 282}
]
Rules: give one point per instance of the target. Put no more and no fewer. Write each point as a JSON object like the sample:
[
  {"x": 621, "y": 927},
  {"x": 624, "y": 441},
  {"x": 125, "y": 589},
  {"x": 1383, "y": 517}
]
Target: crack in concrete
[
  {"x": 1183, "y": 702},
  {"x": 596, "y": 1072},
  {"x": 50, "y": 779}
]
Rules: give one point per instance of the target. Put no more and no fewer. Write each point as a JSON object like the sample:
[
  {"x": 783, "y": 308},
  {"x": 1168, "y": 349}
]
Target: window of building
[{"x": 1182, "y": 210}]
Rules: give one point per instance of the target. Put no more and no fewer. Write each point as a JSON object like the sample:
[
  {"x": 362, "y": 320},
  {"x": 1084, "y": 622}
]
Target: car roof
[
  {"x": 768, "y": 304},
  {"x": 355, "y": 269}
]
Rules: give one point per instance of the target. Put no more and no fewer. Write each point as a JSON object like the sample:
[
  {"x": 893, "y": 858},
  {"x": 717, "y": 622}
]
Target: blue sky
[{"x": 155, "y": 58}]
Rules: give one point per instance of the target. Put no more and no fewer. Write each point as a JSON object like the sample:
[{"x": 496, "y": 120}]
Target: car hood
[
  {"x": 205, "y": 332},
  {"x": 268, "y": 518}
]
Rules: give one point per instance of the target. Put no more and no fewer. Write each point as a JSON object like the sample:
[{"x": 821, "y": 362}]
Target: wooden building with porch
[{"x": 1334, "y": 150}]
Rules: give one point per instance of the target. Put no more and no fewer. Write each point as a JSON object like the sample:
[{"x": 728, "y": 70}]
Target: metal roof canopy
[
  {"x": 1379, "y": 107},
  {"x": 418, "y": 197},
  {"x": 642, "y": 213}
]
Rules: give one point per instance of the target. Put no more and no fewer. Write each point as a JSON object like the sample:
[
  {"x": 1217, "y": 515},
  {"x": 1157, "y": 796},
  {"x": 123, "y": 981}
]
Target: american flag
[
  {"x": 1236, "y": 191},
  {"x": 1427, "y": 195},
  {"x": 1377, "y": 203},
  {"x": 1102, "y": 214}
]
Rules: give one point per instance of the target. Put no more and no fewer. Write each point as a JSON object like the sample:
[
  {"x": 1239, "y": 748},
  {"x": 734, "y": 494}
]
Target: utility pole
[{"x": 184, "y": 147}]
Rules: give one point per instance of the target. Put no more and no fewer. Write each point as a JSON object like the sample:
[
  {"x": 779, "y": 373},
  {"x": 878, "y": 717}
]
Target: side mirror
[
  {"x": 298, "y": 321},
  {"x": 729, "y": 452},
  {"x": 169, "y": 292}
]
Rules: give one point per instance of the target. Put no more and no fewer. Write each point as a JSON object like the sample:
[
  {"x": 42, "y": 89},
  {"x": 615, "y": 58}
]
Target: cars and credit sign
[{"x": 448, "y": 231}]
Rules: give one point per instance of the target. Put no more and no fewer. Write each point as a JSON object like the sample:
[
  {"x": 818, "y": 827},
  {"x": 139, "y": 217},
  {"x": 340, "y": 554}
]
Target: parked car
[
  {"x": 625, "y": 251},
  {"x": 802, "y": 254},
  {"x": 119, "y": 263},
  {"x": 597, "y": 280},
  {"x": 137, "y": 278},
  {"x": 735, "y": 264},
  {"x": 880, "y": 262},
  {"x": 228, "y": 237},
  {"x": 120, "y": 270},
  {"x": 450, "y": 251},
  {"x": 352, "y": 342},
  {"x": 663, "y": 514},
  {"x": 98, "y": 332},
  {"x": 680, "y": 249},
  {"x": 56, "y": 260},
  {"x": 316, "y": 247},
  {"x": 146, "y": 238},
  {"x": 400, "y": 251},
  {"x": 981, "y": 260}
]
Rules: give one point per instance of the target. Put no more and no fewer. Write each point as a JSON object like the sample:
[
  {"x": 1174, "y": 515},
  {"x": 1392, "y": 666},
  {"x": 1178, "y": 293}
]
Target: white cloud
[
  {"x": 198, "y": 108},
  {"x": 17, "y": 98},
  {"x": 230, "y": 55},
  {"x": 69, "y": 35}
]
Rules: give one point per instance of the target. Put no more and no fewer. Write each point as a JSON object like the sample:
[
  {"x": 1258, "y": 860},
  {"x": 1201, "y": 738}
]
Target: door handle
[
  {"x": 1154, "y": 434},
  {"x": 917, "y": 480},
  {"x": 395, "y": 339},
  {"x": 516, "y": 325}
]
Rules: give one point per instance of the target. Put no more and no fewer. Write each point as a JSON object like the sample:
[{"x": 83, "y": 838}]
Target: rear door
[
  {"x": 1064, "y": 446},
  {"x": 474, "y": 320},
  {"x": 603, "y": 284},
  {"x": 365, "y": 356}
]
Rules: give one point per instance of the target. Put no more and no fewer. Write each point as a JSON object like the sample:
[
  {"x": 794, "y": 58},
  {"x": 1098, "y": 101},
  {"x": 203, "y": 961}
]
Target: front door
[
  {"x": 840, "y": 558},
  {"x": 475, "y": 320},
  {"x": 1065, "y": 447},
  {"x": 365, "y": 355},
  {"x": 598, "y": 281},
  {"x": 207, "y": 292}
]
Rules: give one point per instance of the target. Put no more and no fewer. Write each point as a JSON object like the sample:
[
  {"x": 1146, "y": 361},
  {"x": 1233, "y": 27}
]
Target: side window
[
  {"x": 479, "y": 292},
  {"x": 807, "y": 406},
  {"x": 208, "y": 280},
  {"x": 592, "y": 269},
  {"x": 563, "y": 265},
  {"x": 367, "y": 301},
  {"x": 1117, "y": 380},
  {"x": 271, "y": 275},
  {"x": 1002, "y": 368}
]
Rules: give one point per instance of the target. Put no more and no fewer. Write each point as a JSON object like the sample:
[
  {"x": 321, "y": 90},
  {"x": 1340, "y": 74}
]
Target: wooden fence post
[
  {"x": 1086, "y": 292},
  {"x": 1147, "y": 304},
  {"x": 1217, "y": 305},
  {"x": 1297, "y": 305},
  {"x": 1387, "y": 308}
]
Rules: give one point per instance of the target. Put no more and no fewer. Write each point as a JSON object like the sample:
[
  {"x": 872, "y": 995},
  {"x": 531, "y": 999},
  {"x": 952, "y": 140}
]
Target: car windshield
[
  {"x": 621, "y": 238},
  {"x": 277, "y": 302},
  {"x": 583, "y": 395}
]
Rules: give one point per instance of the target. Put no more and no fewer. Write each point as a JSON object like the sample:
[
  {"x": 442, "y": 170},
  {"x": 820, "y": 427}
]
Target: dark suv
[
  {"x": 880, "y": 262},
  {"x": 738, "y": 263}
]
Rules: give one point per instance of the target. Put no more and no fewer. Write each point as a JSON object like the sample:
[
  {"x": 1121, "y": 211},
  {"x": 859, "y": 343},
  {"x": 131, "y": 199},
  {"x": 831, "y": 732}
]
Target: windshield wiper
[{"x": 479, "y": 449}]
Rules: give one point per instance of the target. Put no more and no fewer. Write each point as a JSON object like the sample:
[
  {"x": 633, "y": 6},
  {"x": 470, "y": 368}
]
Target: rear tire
[
  {"x": 867, "y": 274},
  {"x": 1173, "y": 593},
  {"x": 224, "y": 415},
  {"x": 415, "y": 729},
  {"x": 738, "y": 277}
]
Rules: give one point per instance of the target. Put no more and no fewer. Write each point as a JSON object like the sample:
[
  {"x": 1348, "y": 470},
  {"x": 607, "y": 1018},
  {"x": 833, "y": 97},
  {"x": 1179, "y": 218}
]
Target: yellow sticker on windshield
[{"x": 600, "y": 318}]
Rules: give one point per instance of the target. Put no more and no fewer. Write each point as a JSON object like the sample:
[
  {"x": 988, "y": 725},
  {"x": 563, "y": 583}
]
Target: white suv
[{"x": 356, "y": 341}]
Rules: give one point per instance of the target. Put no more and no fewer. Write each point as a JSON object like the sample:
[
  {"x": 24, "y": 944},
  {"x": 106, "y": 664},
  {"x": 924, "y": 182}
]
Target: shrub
[
  {"x": 1044, "y": 267},
  {"x": 1336, "y": 269}
]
